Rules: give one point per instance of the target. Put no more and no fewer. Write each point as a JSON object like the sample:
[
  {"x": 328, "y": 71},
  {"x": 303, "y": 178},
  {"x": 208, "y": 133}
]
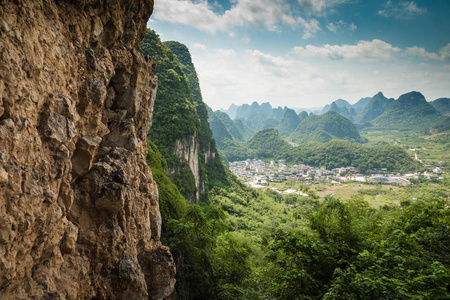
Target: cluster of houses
[{"x": 258, "y": 173}]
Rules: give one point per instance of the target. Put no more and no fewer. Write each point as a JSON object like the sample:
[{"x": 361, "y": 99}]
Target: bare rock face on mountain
[{"x": 79, "y": 212}]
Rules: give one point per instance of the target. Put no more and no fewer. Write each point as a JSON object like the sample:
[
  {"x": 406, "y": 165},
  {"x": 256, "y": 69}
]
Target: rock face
[
  {"x": 79, "y": 212},
  {"x": 186, "y": 150}
]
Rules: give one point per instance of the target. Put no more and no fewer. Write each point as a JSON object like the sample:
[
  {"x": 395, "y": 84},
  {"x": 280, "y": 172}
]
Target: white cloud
[
  {"x": 199, "y": 46},
  {"x": 268, "y": 14},
  {"x": 364, "y": 50},
  {"x": 318, "y": 6},
  {"x": 341, "y": 26},
  {"x": 401, "y": 10},
  {"x": 312, "y": 6},
  {"x": 443, "y": 54},
  {"x": 310, "y": 28},
  {"x": 258, "y": 14},
  {"x": 277, "y": 66},
  {"x": 421, "y": 52},
  {"x": 198, "y": 15},
  {"x": 224, "y": 53}
]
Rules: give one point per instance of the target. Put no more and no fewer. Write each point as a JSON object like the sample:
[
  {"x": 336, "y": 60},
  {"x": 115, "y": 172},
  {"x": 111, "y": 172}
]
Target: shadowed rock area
[{"x": 79, "y": 211}]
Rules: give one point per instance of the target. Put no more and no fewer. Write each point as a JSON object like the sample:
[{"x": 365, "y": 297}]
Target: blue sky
[{"x": 307, "y": 53}]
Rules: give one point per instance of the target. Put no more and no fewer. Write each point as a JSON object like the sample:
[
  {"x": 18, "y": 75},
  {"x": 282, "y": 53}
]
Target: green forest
[{"x": 239, "y": 243}]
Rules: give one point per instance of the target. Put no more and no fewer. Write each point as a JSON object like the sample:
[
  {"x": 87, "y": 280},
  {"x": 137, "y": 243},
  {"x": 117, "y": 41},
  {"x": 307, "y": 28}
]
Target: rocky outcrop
[
  {"x": 209, "y": 153},
  {"x": 79, "y": 212},
  {"x": 186, "y": 150}
]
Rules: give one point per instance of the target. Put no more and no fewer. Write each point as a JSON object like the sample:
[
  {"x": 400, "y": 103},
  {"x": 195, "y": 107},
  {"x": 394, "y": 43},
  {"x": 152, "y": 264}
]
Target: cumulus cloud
[
  {"x": 309, "y": 28},
  {"x": 444, "y": 52},
  {"x": 318, "y": 6},
  {"x": 224, "y": 53},
  {"x": 341, "y": 26},
  {"x": 268, "y": 14},
  {"x": 421, "y": 52},
  {"x": 199, "y": 46},
  {"x": 198, "y": 15},
  {"x": 401, "y": 10},
  {"x": 275, "y": 65},
  {"x": 259, "y": 14},
  {"x": 364, "y": 50}
]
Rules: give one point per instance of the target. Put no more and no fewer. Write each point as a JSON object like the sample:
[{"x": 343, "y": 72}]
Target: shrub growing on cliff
[{"x": 171, "y": 203}]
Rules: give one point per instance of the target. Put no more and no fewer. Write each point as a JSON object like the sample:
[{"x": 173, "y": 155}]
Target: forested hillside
[
  {"x": 361, "y": 104},
  {"x": 234, "y": 130},
  {"x": 374, "y": 108},
  {"x": 324, "y": 128},
  {"x": 288, "y": 122},
  {"x": 342, "y": 107},
  {"x": 338, "y": 153},
  {"x": 409, "y": 112},
  {"x": 442, "y": 105}
]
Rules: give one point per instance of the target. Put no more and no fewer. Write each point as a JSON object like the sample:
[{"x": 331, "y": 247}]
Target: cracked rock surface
[{"x": 79, "y": 211}]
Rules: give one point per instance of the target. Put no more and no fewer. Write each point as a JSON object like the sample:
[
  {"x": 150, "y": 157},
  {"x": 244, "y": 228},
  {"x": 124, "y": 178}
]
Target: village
[{"x": 257, "y": 174}]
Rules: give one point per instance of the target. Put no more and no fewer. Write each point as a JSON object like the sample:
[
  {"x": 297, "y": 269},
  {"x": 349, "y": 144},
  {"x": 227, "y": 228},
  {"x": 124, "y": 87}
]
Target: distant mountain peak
[{"x": 410, "y": 112}]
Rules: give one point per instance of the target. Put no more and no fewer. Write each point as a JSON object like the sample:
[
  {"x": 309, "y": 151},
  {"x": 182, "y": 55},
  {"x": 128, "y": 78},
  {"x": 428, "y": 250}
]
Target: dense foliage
[
  {"x": 171, "y": 203},
  {"x": 184, "y": 57},
  {"x": 352, "y": 251},
  {"x": 174, "y": 115}
]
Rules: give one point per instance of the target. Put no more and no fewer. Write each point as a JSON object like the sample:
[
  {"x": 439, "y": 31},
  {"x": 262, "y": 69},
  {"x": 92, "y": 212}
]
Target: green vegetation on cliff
[
  {"x": 184, "y": 57},
  {"x": 209, "y": 259},
  {"x": 171, "y": 203},
  {"x": 174, "y": 115}
]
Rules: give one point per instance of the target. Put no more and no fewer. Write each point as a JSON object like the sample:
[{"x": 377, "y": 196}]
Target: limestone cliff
[
  {"x": 186, "y": 150},
  {"x": 79, "y": 212},
  {"x": 176, "y": 122}
]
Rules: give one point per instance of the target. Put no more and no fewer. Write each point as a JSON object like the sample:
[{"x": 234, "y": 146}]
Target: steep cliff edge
[
  {"x": 79, "y": 211},
  {"x": 176, "y": 128}
]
